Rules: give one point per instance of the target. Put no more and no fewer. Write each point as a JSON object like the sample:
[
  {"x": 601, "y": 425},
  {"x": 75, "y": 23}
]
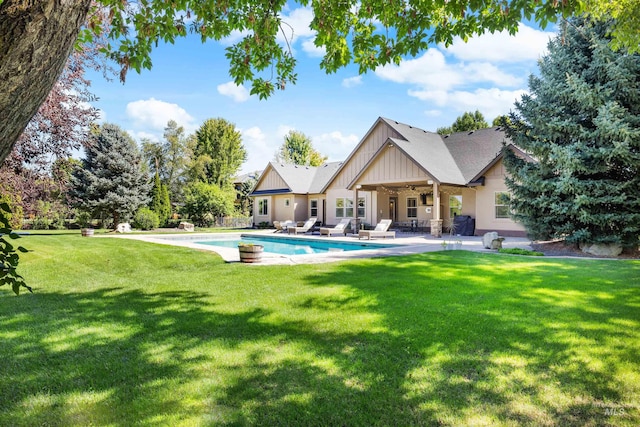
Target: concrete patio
[{"x": 403, "y": 244}]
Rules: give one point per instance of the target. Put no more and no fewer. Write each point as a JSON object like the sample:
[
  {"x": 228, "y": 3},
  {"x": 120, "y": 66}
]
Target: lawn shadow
[{"x": 515, "y": 344}]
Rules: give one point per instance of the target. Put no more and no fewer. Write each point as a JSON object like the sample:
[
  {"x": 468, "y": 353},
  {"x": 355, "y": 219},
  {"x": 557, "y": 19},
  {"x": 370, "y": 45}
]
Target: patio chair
[
  {"x": 381, "y": 230},
  {"x": 282, "y": 226},
  {"x": 305, "y": 228},
  {"x": 341, "y": 228}
]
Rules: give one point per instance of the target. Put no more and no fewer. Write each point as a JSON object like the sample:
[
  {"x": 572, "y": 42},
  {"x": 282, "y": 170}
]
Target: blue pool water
[{"x": 287, "y": 246}]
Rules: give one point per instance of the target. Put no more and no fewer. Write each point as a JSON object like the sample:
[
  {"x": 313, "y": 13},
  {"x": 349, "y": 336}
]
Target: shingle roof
[
  {"x": 451, "y": 159},
  {"x": 305, "y": 179},
  {"x": 474, "y": 150}
]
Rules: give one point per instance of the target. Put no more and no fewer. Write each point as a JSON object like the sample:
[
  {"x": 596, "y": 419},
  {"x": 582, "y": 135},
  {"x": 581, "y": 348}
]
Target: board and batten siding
[
  {"x": 271, "y": 181},
  {"x": 365, "y": 151},
  {"x": 393, "y": 166}
]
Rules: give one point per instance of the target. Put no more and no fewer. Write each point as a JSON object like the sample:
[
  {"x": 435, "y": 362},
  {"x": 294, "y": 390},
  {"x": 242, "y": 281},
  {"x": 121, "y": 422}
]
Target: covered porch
[{"x": 424, "y": 206}]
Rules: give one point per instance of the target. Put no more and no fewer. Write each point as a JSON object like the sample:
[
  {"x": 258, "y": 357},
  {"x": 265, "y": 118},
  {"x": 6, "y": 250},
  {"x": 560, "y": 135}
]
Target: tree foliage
[
  {"x": 111, "y": 181},
  {"x": 169, "y": 158},
  {"x": 581, "y": 124},
  {"x": 466, "y": 122},
  {"x": 297, "y": 149},
  {"x": 9, "y": 254},
  {"x": 218, "y": 153},
  {"x": 204, "y": 202},
  {"x": 160, "y": 203}
]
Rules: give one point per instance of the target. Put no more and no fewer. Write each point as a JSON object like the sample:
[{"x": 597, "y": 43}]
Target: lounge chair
[
  {"x": 381, "y": 230},
  {"x": 306, "y": 227},
  {"x": 282, "y": 226},
  {"x": 341, "y": 228}
]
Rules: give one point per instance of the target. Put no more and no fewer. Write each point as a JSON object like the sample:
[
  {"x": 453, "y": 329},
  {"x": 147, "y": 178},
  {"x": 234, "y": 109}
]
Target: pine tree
[
  {"x": 581, "y": 125},
  {"x": 160, "y": 203},
  {"x": 111, "y": 181}
]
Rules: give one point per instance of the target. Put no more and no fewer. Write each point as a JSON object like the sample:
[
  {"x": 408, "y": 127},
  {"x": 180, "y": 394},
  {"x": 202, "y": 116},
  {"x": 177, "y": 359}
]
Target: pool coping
[{"x": 403, "y": 244}]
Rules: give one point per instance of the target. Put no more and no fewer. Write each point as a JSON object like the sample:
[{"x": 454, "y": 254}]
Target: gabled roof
[
  {"x": 474, "y": 150},
  {"x": 300, "y": 179}
]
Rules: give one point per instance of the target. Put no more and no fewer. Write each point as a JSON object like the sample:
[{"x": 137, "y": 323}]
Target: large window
[
  {"x": 263, "y": 207},
  {"x": 344, "y": 207},
  {"x": 502, "y": 204},
  {"x": 313, "y": 208},
  {"x": 455, "y": 206},
  {"x": 412, "y": 207}
]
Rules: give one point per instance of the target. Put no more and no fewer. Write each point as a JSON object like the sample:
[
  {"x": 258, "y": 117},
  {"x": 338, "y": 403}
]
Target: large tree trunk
[{"x": 36, "y": 38}]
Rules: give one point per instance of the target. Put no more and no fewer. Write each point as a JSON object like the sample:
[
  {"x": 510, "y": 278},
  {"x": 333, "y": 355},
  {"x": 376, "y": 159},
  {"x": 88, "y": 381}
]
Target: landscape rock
[
  {"x": 186, "y": 226},
  {"x": 123, "y": 227},
  {"x": 488, "y": 238},
  {"x": 602, "y": 249}
]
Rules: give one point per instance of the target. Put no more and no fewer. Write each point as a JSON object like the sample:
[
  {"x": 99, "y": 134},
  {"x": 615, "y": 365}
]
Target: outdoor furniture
[
  {"x": 381, "y": 230},
  {"x": 282, "y": 226},
  {"x": 306, "y": 227},
  {"x": 341, "y": 228}
]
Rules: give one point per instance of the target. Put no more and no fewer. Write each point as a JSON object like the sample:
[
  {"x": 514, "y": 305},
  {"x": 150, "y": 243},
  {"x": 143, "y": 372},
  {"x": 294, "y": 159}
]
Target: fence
[{"x": 234, "y": 222}]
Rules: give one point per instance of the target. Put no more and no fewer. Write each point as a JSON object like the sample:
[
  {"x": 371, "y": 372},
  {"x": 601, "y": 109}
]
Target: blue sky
[{"x": 189, "y": 83}]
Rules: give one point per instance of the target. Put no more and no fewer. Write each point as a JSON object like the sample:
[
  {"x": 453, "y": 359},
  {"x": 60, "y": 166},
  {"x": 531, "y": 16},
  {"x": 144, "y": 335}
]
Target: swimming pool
[{"x": 294, "y": 246}]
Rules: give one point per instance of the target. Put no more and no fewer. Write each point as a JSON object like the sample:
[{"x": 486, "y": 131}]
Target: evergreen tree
[
  {"x": 298, "y": 150},
  {"x": 111, "y": 181},
  {"x": 466, "y": 122},
  {"x": 160, "y": 203},
  {"x": 581, "y": 125},
  {"x": 218, "y": 153}
]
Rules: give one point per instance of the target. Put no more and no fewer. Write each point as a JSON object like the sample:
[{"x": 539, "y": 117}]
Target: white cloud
[
  {"x": 259, "y": 152},
  {"x": 491, "y": 102},
  {"x": 352, "y": 81},
  {"x": 140, "y": 135},
  {"x": 312, "y": 50},
  {"x": 236, "y": 92},
  {"x": 430, "y": 70},
  {"x": 296, "y": 24},
  {"x": 433, "y": 113},
  {"x": 527, "y": 44},
  {"x": 282, "y": 131},
  {"x": 486, "y": 72},
  {"x": 152, "y": 115},
  {"x": 335, "y": 145}
]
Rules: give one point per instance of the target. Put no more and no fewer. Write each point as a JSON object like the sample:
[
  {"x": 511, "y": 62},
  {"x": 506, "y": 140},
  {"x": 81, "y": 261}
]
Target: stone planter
[
  {"x": 250, "y": 253},
  {"x": 86, "y": 232}
]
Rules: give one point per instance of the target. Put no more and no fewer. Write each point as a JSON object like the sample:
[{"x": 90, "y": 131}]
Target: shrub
[
  {"x": 146, "y": 219},
  {"x": 518, "y": 251},
  {"x": 15, "y": 213}
]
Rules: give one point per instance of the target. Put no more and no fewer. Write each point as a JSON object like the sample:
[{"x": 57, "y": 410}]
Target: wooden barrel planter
[
  {"x": 250, "y": 253},
  {"x": 87, "y": 232}
]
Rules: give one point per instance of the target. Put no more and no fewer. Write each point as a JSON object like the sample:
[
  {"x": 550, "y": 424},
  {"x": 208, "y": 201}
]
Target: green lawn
[{"x": 128, "y": 333}]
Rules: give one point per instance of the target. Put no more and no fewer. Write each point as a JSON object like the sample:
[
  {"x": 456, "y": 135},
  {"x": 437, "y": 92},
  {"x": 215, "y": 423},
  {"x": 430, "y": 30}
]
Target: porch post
[
  {"x": 355, "y": 223},
  {"x": 436, "y": 222}
]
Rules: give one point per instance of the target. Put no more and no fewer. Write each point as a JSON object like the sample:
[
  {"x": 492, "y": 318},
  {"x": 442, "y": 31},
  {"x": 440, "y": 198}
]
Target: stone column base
[{"x": 436, "y": 227}]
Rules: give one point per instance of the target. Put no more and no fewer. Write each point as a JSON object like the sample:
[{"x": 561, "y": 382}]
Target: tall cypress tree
[
  {"x": 111, "y": 180},
  {"x": 160, "y": 203},
  {"x": 581, "y": 123}
]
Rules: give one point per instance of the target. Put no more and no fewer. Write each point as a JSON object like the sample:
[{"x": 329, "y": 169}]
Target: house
[
  {"x": 400, "y": 172},
  {"x": 291, "y": 192}
]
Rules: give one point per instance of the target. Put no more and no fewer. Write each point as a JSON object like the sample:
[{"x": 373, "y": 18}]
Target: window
[
  {"x": 313, "y": 211},
  {"x": 263, "y": 207},
  {"x": 361, "y": 207},
  {"x": 287, "y": 202},
  {"x": 412, "y": 207},
  {"x": 455, "y": 206},
  {"x": 344, "y": 207},
  {"x": 502, "y": 204}
]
